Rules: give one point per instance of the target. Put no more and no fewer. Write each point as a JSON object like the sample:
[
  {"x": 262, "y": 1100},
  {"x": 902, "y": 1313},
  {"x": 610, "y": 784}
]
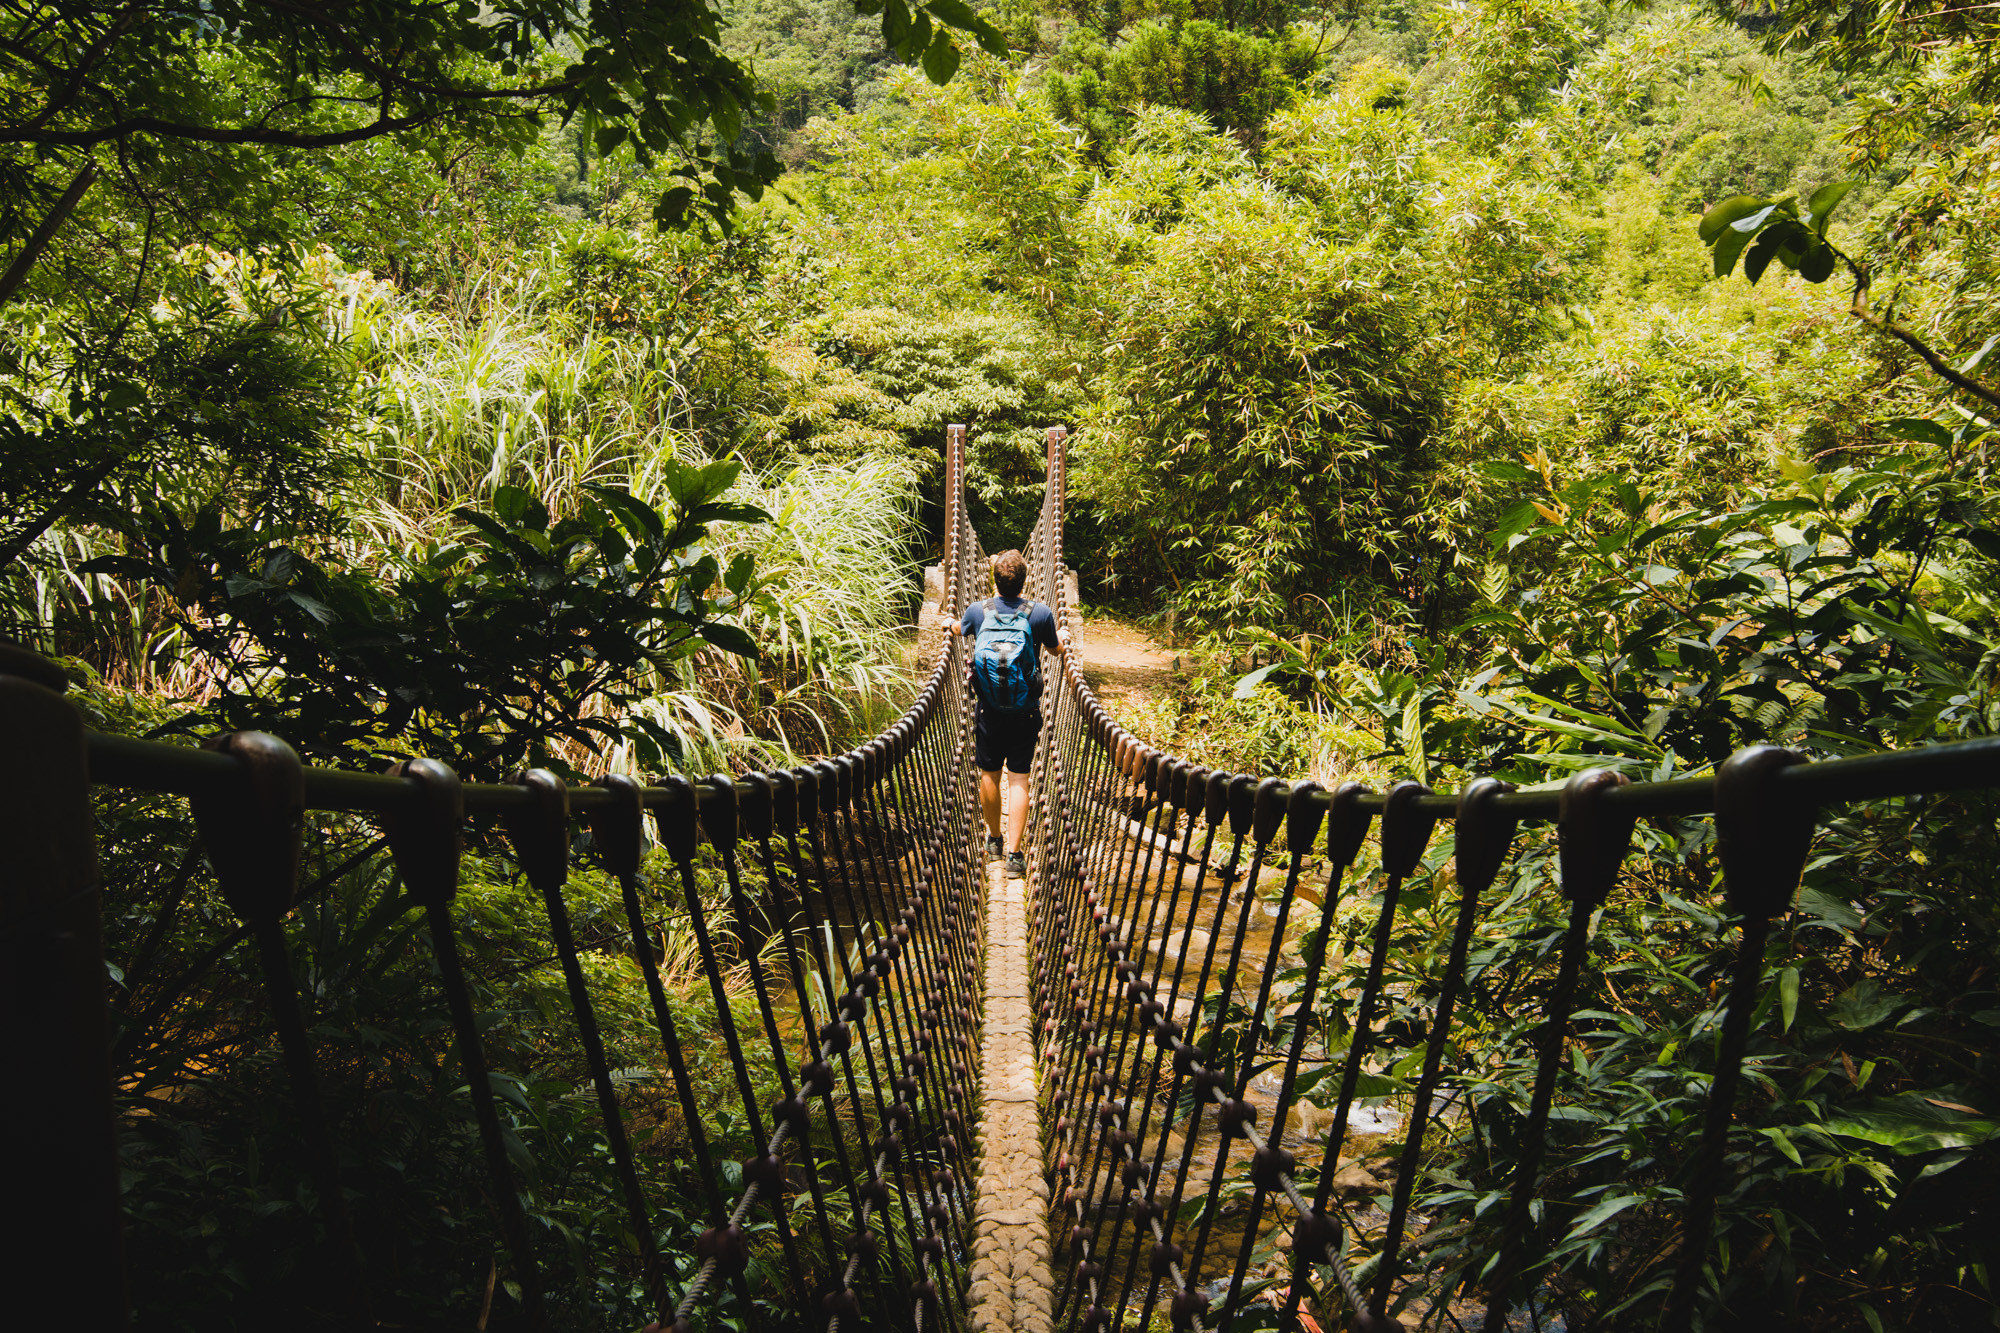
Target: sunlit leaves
[
  {"x": 529, "y": 634},
  {"x": 650, "y": 76},
  {"x": 1774, "y": 230}
]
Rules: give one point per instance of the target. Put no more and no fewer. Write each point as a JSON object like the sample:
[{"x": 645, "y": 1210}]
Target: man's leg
[
  {"x": 1017, "y": 809},
  {"x": 989, "y": 802},
  {"x": 989, "y": 754}
]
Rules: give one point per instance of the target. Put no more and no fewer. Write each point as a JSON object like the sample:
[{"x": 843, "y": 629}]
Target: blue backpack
[{"x": 1005, "y": 666}]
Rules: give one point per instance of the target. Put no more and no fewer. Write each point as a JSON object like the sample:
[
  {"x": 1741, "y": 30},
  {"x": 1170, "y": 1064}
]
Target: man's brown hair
[{"x": 1010, "y": 572}]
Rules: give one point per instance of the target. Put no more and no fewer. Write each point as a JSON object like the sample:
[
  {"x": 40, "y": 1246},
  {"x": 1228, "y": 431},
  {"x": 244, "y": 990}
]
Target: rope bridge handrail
[
  {"x": 1156, "y": 957},
  {"x": 874, "y": 1095},
  {"x": 1130, "y": 1050}
]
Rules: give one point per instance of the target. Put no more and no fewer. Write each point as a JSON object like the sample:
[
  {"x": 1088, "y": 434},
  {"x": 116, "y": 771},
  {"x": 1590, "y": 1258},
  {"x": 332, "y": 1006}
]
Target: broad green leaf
[
  {"x": 318, "y": 610},
  {"x": 1516, "y": 520},
  {"x": 1788, "y": 997},
  {"x": 1605, "y": 1210},
  {"x": 1248, "y": 685},
  {"x": 1606, "y": 726},
  {"x": 517, "y": 1151},
  {"x": 508, "y": 1089},
  {"x": 729, "y": 511},
  {"x": 895, "y": 24},
  {"x": 727, "y": 115},
  {"x": 518, "y": 508},
  {"x": 1827, "y": 910},
  {"x": 699, "y": 485},
  {"x": 1824, "y": 200},
  {"x": 1864, "y": 1005},
  {"x": 1505, "y": 469},
  {"x": 1792, "y": 240},
  {"x": 1492, "y": 616},
  {"x": 497, "y": 534},
  {"x": 673, "y": 206},
  {"x": 699, "y": 576},
  {"x": 961, "y": 16},
  {"x": 1728, "y": 212},
  {"x": 1727, "y": 248},
  {"x": 1909, "y": 1124},
  {"x": 1943, "y": 1164},
  {"x": 1784, "y": 1144},
  {"x": 1973, "y": 362},
  {"x": 1920, "y": 429},
  {"x": 991, "y": 40},
  {"x": 941, "y": 58},
  {"x": 1759, "y": 258},
  {"x": 1413, "y": 737},
  {"x": 730, "y": 638}
]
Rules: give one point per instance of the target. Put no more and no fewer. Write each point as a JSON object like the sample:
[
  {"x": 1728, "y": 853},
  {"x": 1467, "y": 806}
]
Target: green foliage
[
  {"x": 491, "y": 653},
  {"x": 815, "y": 58},
  {"x": 1817, "y": 616},
  {"x": 1774, "y": 229},
  {"x": 953, "y": 198},
  {"x": 1308, "y": 281},
  {"x": 1236, "y": 78},
  {"x": 1278, "y": 343},
  {"x": 234, "y": 379},
  {"x": 1241, "y": 731},
  {"x": 173, "y": 92},
  {"x": 1511, "y": 53},
  {"x": 1716, "y": 142},
  {"x": 971, "y": 368},
  {"x": 834, "y": 590}
]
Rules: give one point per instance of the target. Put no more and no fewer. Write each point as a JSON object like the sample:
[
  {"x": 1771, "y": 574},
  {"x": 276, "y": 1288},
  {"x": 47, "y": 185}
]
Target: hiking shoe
[
  {"x": 993, "y": 849},
  {"x": 1017, "y": 866}
]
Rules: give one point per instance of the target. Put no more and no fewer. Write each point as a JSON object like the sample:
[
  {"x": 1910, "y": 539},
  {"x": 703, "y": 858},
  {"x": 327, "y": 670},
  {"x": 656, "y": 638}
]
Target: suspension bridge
[{"x": 1122, "y": 1091}]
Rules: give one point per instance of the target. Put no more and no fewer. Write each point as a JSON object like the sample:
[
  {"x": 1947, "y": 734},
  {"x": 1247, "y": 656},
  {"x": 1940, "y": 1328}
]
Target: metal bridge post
[{"x": 61, "y": 1175}]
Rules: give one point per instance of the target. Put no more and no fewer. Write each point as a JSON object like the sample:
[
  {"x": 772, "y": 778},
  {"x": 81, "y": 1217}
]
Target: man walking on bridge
[{"x": 1008, "y": 631}]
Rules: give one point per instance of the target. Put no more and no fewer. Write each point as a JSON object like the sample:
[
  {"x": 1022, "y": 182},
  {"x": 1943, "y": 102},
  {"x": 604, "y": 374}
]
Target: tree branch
[
  {"x": 168, "y": 129},
  {"x": 1931, "y": 358},
  {"x": 17, "y": 272},
  {"x": 81, "y": 67},
  {"x": 16, "y": 546},
  {"x": 1860, "y": 310}
]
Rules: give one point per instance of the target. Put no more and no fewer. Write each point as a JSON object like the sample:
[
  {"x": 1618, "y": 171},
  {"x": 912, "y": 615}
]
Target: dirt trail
[{"x": 1122, "y": 665}]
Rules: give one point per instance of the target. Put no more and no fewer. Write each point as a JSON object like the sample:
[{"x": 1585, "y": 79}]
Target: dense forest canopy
[{"x": 1464, "y": 386}]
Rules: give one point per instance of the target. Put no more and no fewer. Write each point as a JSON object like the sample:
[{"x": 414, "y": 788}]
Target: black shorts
[{"x": 1007, "y": 738}]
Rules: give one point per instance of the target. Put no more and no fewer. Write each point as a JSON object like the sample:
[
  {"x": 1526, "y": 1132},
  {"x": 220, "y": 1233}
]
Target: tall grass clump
[
  {"x": 841, "y": 585},
  {"x": 520, "y": 389}
]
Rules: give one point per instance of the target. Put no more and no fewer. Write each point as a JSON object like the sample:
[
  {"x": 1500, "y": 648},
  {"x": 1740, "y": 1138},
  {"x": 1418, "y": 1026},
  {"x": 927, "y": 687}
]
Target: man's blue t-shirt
[{"x": 1041, "y": 625}]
